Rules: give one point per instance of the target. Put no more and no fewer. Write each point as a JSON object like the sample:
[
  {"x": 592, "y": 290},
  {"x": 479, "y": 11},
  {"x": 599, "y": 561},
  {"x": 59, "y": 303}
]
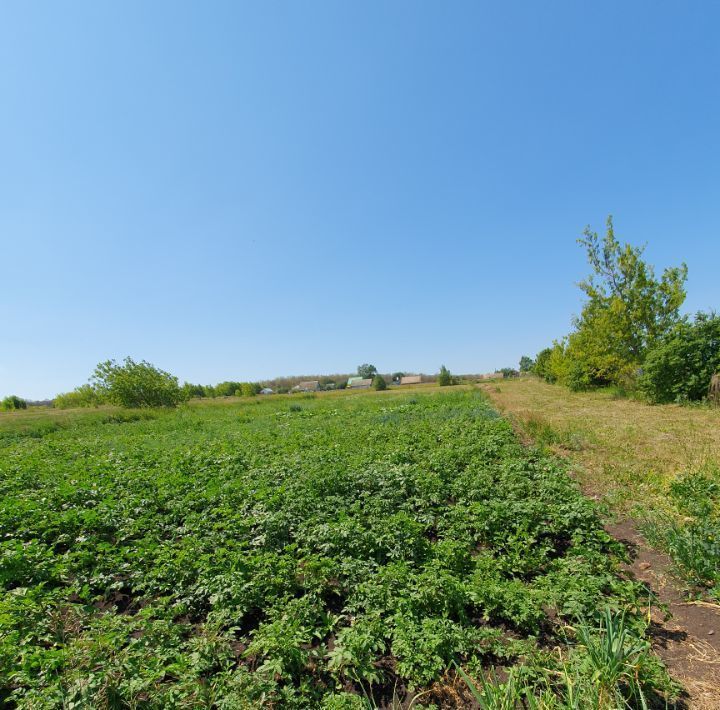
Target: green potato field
[{"x": 352, "y": 551}]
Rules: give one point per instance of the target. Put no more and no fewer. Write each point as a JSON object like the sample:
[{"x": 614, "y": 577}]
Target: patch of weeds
[
  {"x": 692, "y": 536},
  {"x": 546, "y": 435}
]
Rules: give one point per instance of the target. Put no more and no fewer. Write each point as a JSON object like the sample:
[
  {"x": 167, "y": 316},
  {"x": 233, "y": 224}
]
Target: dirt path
[{"x": 689, "y": 640}]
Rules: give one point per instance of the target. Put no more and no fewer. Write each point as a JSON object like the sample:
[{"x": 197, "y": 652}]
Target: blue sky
[{"x": 240, "y": 190}]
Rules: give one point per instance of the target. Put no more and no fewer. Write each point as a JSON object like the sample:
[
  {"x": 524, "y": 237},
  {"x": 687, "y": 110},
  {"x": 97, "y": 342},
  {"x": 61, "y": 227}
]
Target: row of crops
[{"x": 344, "y": 552}]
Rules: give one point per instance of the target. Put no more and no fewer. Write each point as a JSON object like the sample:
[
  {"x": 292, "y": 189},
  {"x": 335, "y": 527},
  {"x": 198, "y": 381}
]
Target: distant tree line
[
  {"x": 141, "y": 384},
  {"x": 630, "y": 333}
]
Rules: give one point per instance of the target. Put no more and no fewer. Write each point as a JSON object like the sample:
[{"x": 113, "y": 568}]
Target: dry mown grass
[{"x": 628, "y": 451}]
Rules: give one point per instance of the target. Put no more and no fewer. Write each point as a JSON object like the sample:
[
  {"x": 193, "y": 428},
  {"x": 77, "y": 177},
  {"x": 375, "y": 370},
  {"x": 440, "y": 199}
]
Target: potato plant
[{"x": 336, "y": 553}]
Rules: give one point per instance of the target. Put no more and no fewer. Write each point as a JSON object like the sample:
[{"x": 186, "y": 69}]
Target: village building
[
  {"x": 355, "y": 383},
  {"x": 411, "y": 380},
  {"x": 310, "y": 386}
]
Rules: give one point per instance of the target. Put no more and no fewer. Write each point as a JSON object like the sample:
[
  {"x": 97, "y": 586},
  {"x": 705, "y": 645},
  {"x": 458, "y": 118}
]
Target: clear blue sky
[{"x": 240, "y": 190}]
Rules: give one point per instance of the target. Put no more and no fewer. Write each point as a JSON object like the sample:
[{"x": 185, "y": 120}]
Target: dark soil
[{"x": 689, "y": 641}]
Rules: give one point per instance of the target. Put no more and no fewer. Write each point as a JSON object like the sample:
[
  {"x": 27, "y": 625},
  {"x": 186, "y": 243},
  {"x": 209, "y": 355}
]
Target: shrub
[
  {"x": 249, "y": 389},
  {"x": 445, "y": 378},
  {"x": 681, "y": 365},
  {"x": 13, "y": 402},
  {"x": 83, "y": 396},
  {"x": 379, "y": 383},
  {"x": 137, "y": 384}
]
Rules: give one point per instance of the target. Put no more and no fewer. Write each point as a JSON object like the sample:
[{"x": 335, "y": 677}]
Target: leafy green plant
[
  {"x": 12, "y": 403},
  {"x": 240, "y": 555},
  {"x": 379, "y": 383}
]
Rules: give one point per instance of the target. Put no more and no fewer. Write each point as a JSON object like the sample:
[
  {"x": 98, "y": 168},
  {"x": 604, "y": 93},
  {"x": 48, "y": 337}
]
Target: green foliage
[
  {"x": 366, "y": 371},
  {"x": 509, "y": 372},
  {"x": 445, "y": 378},
  {"x": 526, "y": 364},
  {"x": 542, "y": 365},
  {"x": 627, "y": 312},
  {"x": 248, "y": 556},
  {"x": 83, "y": 396},
  {"x": 249, "y": 389},
  {"x": 679, "y": 367},
  {"x": 136, "y": 384},
  {"x": 692, "y": 536},
  {"x": 190, "y": 390},
  {"x": 226, "y": 389},
  {"x": 397, "y": 376},
  {"x": 12, "y": 403},
  {"x": 379, "y": 383}
]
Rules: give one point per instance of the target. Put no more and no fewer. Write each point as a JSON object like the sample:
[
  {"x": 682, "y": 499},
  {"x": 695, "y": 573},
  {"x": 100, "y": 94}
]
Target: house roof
[
  {"x": 309, "y": 385},
  {"x": 359, "y": 382}
]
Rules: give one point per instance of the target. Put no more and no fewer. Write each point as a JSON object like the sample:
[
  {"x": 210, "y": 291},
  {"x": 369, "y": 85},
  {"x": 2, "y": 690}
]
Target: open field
[
  {"x": 339, "y": 551},
  {"x": 630, "y": 452}
]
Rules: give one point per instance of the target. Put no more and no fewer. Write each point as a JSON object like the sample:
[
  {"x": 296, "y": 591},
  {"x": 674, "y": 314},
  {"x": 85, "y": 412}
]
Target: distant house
[
  {"x": 411, "y": 380},
  {"x": 266, "y": 390},
  {"x": 310, "y": 386},
  {"x": 356, "y": 383}
]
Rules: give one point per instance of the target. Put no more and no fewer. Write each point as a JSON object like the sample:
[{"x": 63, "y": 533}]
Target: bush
[
  {"x": 137, "y": 384},
  {"x": 249, "y": 389},
  {"x": 445, "y": 378},
  {"x": 12, "y": 403},
  {"x": 83, "y": 396},
  {"x": 680, "y": 367},
  {"x": 379, "y": 383}
]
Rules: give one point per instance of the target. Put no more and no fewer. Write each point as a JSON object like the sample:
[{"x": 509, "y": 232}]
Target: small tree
[
  {"x": 379, "y": 383},
  {"x": 508, "y": 372},
  {"x": 397, "y": 376},
  {"x": 137, "y": 384},
  {"x": 249, "y": 389},
  {"x": 445, "y": 378},
  {"x": 366, "y": 371},
  {"x": 83, "y": 396},
  {"x": 526, "y": 364},
  {"x": 12, "y": 403}
]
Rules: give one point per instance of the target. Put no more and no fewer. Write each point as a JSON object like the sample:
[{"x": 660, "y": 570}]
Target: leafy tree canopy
[
  {"x": 13, "y": 402},
  {"x": 137, "y": 384},
  {"x": 366, "y": 371},
  {"x": 681, "y": 365},
  {"x": 526, "y": 364},
  {"x": 627, "y": 309},
  {"x": 445, "y": 378}
]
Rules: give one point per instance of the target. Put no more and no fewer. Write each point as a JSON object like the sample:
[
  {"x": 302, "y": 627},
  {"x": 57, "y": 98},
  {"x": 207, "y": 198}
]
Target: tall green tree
[
  {"x": 628, "y": 309},
  {"x": 367, "y": 371},
  {"x": 445, "y": 378},
  {"x": 526, "y": 364}
]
